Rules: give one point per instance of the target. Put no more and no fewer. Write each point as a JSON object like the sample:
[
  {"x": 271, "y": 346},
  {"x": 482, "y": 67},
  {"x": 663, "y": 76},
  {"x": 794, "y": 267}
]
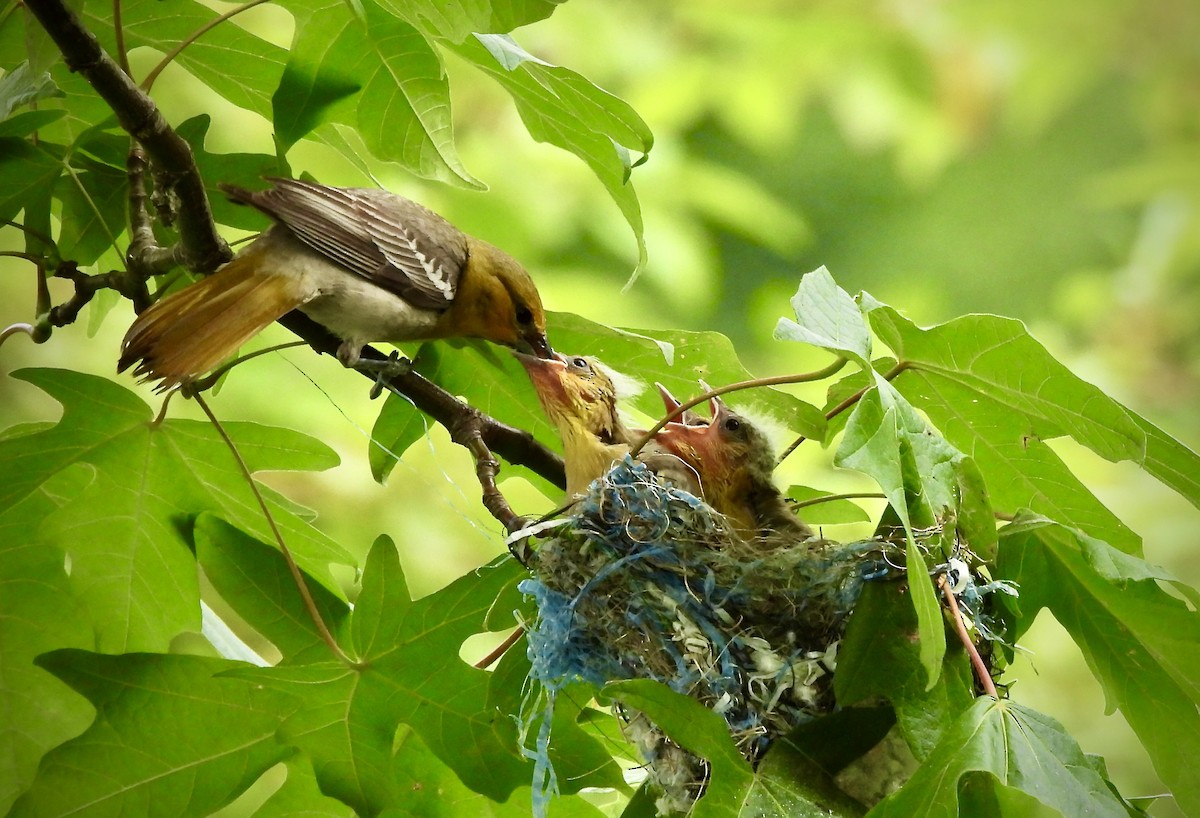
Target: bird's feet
[{"x": 384, "y": 370}]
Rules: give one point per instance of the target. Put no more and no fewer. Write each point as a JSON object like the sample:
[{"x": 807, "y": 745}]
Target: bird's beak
[
  {"x": 671, "y": 404},
  {"x": 536, "y": 344},
  {"x": 546, "y": 373},
  {"x": 669, "y": 401}
]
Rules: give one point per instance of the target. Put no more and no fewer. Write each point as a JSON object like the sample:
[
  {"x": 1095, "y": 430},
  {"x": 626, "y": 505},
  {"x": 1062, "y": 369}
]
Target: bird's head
[
  {"x": 725, "y": 450},
  {"x": 498, "y": 300},
  {"x": 577, "y": 395}
]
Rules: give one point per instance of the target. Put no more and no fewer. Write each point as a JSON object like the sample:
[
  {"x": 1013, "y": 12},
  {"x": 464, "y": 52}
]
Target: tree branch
[
  {"x": 203, "y": 248},
  {"x": 515, "y": 445}
]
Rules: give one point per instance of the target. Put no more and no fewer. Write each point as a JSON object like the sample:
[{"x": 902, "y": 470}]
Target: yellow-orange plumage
[
  {"x": 580, "y": 399},
  {"x": 367, "y": 264}
]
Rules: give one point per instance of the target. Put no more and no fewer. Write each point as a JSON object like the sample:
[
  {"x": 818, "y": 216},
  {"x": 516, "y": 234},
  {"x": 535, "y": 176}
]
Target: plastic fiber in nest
[{"x": 646, "y": 581}]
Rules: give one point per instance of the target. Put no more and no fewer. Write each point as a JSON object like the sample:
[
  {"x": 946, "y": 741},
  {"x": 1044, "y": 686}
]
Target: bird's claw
[{"x": 385, "y": 370}]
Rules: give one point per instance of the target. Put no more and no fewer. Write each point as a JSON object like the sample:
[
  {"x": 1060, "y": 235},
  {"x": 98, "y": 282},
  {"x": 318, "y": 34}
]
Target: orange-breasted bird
[
  {"x": 734, "y": 461},
  {"x": 367, "y": 264},
  {"x": 580, "y": 399}
]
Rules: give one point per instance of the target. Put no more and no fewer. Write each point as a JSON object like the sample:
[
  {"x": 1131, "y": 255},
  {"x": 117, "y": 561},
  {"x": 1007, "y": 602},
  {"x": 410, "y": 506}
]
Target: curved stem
[
  {"x": 29, "y": 231},
  {"x": 207, "y": 382},
  {"x": 309, "y": 604},
  {"x": 148, "y": 82},
  {"x": 13, "y": 329},
  {"x": 500, "y": 650},
  {"x": 777, "y": 380},
  {"x": 30, "y": 257},
  {"x": 119, "y": 34},
  {"x": 981, "y": 671},
  {"x": 829, "y": 498},
  {"x": 846, "y": 404}
]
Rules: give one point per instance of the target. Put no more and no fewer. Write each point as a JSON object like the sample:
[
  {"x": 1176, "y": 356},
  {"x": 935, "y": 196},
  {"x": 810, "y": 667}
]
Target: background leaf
[{"x": 222, "y": 738}]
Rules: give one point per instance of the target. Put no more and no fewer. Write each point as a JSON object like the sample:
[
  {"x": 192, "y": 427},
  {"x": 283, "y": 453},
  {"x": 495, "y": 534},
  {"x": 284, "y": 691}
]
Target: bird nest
[{"x": 646, "y": 581}]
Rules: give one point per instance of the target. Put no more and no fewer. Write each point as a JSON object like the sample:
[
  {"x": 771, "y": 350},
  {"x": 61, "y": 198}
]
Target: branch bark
[
  {"x": 515, "y": 445},
  {"x": 202, "y": 249}
]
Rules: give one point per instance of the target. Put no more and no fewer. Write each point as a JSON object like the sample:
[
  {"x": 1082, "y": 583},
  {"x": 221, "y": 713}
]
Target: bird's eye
[
  {"x": 524, "y": 315},
  {"x": 732, "y": 424},
  {"x": 580, "y": 363}
]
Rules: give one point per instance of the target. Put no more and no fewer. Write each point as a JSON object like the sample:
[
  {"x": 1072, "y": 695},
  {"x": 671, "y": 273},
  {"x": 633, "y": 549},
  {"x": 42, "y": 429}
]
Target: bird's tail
[{"x": 190, "y": 332}]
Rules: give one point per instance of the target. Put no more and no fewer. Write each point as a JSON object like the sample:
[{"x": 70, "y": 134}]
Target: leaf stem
[
  {"x": 981, "y": 671},
  {"x": 777, "y": 380},
  {"x": 846, "y": 404},
  {"x": 119, "y": 35},
  {"x": 191, "y": 38},
  {"x": 297, "y": 576},
  {"x": 210, "y": 379},
  {"x": 829, "y": 498},
  {"x": 13, "y": 329},
  {"x": 500, "y": 650},
  {"x": 29, "y": 231}
]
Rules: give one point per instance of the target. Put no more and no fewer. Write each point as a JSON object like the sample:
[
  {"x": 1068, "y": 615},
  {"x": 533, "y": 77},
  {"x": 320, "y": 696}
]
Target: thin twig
[
  {"x": 31, "y": 257},
  {"x": 778, "y": 380},
  {"x": 145, "y": 257},
  {"x": 297, "y": 576},
  {"x": 500, "y": 650},
  {"x": 119, "y": 35},
  {"x": 981, "y": 671},
  {"x": 13, "y": 329},
  {"x": 846, "y": 404},
  {"x": 829, "y": 498},
  {"x": 86, "y": 287},
  {"x": 29, "y": 231},
  {"x": 205, "y": 383},
  {"x": 516, "y": 446},
  {"x": 148, "y": 82}
]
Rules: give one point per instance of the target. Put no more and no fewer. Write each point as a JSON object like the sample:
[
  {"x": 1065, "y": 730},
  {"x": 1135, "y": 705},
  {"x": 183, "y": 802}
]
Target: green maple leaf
[
  {"x": 126, "y": 530},
  {"x": 1022, "y": 749},
  {"x": 784, "y": 785},
  {"x": 408, "y": 673},
  {"x": 171, "y": 738},
  {"x": 1138, "y": 640}
]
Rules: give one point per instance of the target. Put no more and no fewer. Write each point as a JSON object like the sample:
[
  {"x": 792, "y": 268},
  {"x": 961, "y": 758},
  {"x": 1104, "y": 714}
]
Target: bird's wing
[{"x": 387, "y": 239}]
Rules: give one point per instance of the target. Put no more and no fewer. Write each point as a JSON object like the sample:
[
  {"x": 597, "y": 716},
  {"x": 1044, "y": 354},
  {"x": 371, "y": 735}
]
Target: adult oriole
[
  {"x": 367, "y": 264},
  {"x": 734, "y": 461}
]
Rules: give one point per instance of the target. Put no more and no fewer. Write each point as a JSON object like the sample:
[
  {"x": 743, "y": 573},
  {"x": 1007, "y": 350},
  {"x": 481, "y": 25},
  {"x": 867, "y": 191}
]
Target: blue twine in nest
[{"x": 646, "y": 581}]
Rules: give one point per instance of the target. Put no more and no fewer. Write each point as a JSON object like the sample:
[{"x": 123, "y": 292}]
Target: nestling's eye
[
  {"x": 732, "y": 424},
  {"x": 524, "y": 315},
  {"x": 580, "y": 363}
]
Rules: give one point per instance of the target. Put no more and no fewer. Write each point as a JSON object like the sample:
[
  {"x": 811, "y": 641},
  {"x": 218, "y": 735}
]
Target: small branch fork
[{"x": 202, "y": 248}]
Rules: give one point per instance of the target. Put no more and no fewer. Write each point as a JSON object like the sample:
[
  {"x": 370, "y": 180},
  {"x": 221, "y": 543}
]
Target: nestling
[
  {"x": 580, "y": 399},
  {"x": 367, "y": 264},
  {"x": 734, "y": 461}
]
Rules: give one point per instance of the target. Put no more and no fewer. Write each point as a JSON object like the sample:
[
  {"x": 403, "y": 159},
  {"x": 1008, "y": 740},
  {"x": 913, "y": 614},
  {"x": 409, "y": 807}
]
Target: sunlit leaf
[
  {"x": 559, "y": 106},
  {"x": 827, "y": 317},
  {"x": 1022, "y": 748},
  {"x": 776, "y": 789},
  {"x": 880, "y": 657},
  {"x": 37, "y": 615},
  {"x": 131, "y": 561},
  {"x": 409, "y": 674},
  {"x": 221, "y": 738},
  {"x": 1138, "y": 640}
]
